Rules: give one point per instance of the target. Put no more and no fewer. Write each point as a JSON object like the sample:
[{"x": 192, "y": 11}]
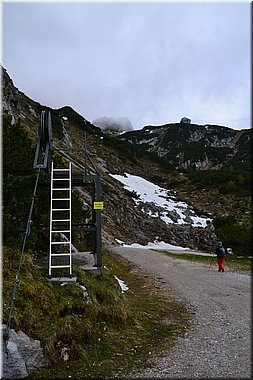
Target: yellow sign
[{"x": 98, "y": 205}]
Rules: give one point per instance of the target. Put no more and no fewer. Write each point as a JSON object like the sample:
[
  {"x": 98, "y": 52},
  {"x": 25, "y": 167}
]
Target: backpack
[{"x": 222, "y": 251}]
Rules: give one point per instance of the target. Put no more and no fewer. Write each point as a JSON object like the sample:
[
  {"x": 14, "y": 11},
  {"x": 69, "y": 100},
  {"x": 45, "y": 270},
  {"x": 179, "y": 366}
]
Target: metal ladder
[{"x": 60, "y": 221}]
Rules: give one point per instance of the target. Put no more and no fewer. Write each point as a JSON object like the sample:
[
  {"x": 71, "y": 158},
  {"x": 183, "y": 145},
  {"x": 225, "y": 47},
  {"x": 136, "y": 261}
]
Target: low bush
[{"x": 234, "y": 234}]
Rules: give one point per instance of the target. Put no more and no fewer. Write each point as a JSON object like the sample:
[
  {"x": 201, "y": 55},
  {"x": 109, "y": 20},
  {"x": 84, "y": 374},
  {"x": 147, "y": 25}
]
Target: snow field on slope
[{"x": 160, "y": 197}]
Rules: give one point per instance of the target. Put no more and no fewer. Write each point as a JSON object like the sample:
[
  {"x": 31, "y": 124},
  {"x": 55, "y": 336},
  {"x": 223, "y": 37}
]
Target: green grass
[
  {"x": 112, "y": 334},
  {"x": 239, "y": 264}
]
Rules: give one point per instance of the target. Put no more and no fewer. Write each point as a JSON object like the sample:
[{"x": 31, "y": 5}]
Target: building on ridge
[{"x": 185, "y": 120}]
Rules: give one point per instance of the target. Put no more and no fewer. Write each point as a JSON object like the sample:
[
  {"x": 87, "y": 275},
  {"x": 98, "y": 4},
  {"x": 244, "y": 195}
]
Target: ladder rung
[
  {"x": 61, "y": 170},
  {"x": 63, "y": 188},
  {"x": 60, "y": 266},
  {"x": 60, "y": 254},
  {"x": 56, "y": 232},
  {"x": 60, "y": 209},
  {"x": 60, "y": 220},
  {"x": 60, "y": 242},
  {"x": 60, "y": 199},
  {"x": 61, "y": 179}
]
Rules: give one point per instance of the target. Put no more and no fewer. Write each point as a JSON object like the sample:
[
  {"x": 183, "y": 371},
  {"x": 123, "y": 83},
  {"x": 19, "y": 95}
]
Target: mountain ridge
[
  {"x": 194, "y": 146},
  {"x": 121, "y": 218}
]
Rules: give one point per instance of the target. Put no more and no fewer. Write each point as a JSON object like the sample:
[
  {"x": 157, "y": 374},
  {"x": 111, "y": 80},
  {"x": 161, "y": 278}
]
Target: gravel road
[{"x": 219, "y": 343}]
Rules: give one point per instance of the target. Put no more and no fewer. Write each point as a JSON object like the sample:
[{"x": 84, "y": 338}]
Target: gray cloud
[
  {"x": 152, "y": 62},
  {"x": 121, "y": 124}
]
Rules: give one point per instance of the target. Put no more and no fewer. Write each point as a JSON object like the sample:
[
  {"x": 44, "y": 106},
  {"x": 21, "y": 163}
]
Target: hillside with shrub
[
  {"x": 209, "y": 167},
  {"x": 211, "y": 173}
]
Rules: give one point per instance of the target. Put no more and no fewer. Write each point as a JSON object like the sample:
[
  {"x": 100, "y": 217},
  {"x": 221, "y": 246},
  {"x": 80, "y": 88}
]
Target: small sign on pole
[{"x": 98, "y": 205}]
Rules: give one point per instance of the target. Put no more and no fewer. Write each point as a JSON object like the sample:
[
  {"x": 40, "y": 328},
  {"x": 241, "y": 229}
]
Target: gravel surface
[{"x": 219, "y": 343}]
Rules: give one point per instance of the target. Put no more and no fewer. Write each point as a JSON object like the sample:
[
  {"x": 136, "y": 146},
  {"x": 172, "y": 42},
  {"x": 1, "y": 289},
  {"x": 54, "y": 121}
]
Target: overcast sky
[{"x": 150, "y": 62}]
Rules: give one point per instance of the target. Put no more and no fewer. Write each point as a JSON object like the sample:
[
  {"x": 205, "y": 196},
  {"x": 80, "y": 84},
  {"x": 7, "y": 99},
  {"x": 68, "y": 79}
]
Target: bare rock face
[
  {"x": 22, "y": 356},
  {"x": 15, "y": 103}
]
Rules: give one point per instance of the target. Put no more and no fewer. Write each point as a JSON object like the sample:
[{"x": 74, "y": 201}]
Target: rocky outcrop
[
  {"x": 22, "y": 356},
  {"x": 125, "y": 221},
  {"x": 15, "y": 103},
  {"x": 132, "y": 220},
  {"x": 194, "y": 146}
]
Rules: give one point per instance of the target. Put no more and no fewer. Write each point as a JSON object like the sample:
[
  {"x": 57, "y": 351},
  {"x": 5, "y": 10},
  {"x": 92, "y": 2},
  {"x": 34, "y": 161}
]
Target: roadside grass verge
[
  {"x": 113, "y": 332},
  {"x": 233, "y": 263}
]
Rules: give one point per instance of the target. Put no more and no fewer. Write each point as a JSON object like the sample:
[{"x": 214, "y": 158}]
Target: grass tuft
[
  {"x": 233, "y": 263},
  {"x": 112, "y": 333}
]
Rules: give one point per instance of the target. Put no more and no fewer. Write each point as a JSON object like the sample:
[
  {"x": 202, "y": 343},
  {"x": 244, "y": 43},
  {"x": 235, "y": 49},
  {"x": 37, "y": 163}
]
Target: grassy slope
[
  {"x": 115, "y": 331},
  {"x": 112, "y": 334},
  {"x": 233, "y": 263}
]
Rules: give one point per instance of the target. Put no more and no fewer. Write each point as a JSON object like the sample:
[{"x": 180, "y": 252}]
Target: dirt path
[{"x": 219, "y": 343}]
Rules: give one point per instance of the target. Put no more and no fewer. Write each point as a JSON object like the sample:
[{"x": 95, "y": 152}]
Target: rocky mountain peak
[
  {"x": 161, "y": 155},
  {"x": 185, "y": 145}
]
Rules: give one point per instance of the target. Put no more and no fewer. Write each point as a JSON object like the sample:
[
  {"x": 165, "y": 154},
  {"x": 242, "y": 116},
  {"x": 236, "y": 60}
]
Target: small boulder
[{"x": 21, "y": 356}]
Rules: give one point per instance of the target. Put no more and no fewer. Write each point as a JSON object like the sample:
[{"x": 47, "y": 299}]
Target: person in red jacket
[{"x": 220, "y": 252}]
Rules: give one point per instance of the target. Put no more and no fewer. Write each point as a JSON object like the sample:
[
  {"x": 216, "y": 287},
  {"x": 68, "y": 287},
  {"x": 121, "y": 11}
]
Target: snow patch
[
  {"x": 122, "y": 284},
  {"x": 162, "y": 198},
  {"x": 158, "y": 245}
]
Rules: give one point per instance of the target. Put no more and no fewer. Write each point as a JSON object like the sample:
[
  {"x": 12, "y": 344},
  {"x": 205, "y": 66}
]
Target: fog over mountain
[
  {"x": 110, "y": 124},
  {"x": 149, "y": 61}
]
